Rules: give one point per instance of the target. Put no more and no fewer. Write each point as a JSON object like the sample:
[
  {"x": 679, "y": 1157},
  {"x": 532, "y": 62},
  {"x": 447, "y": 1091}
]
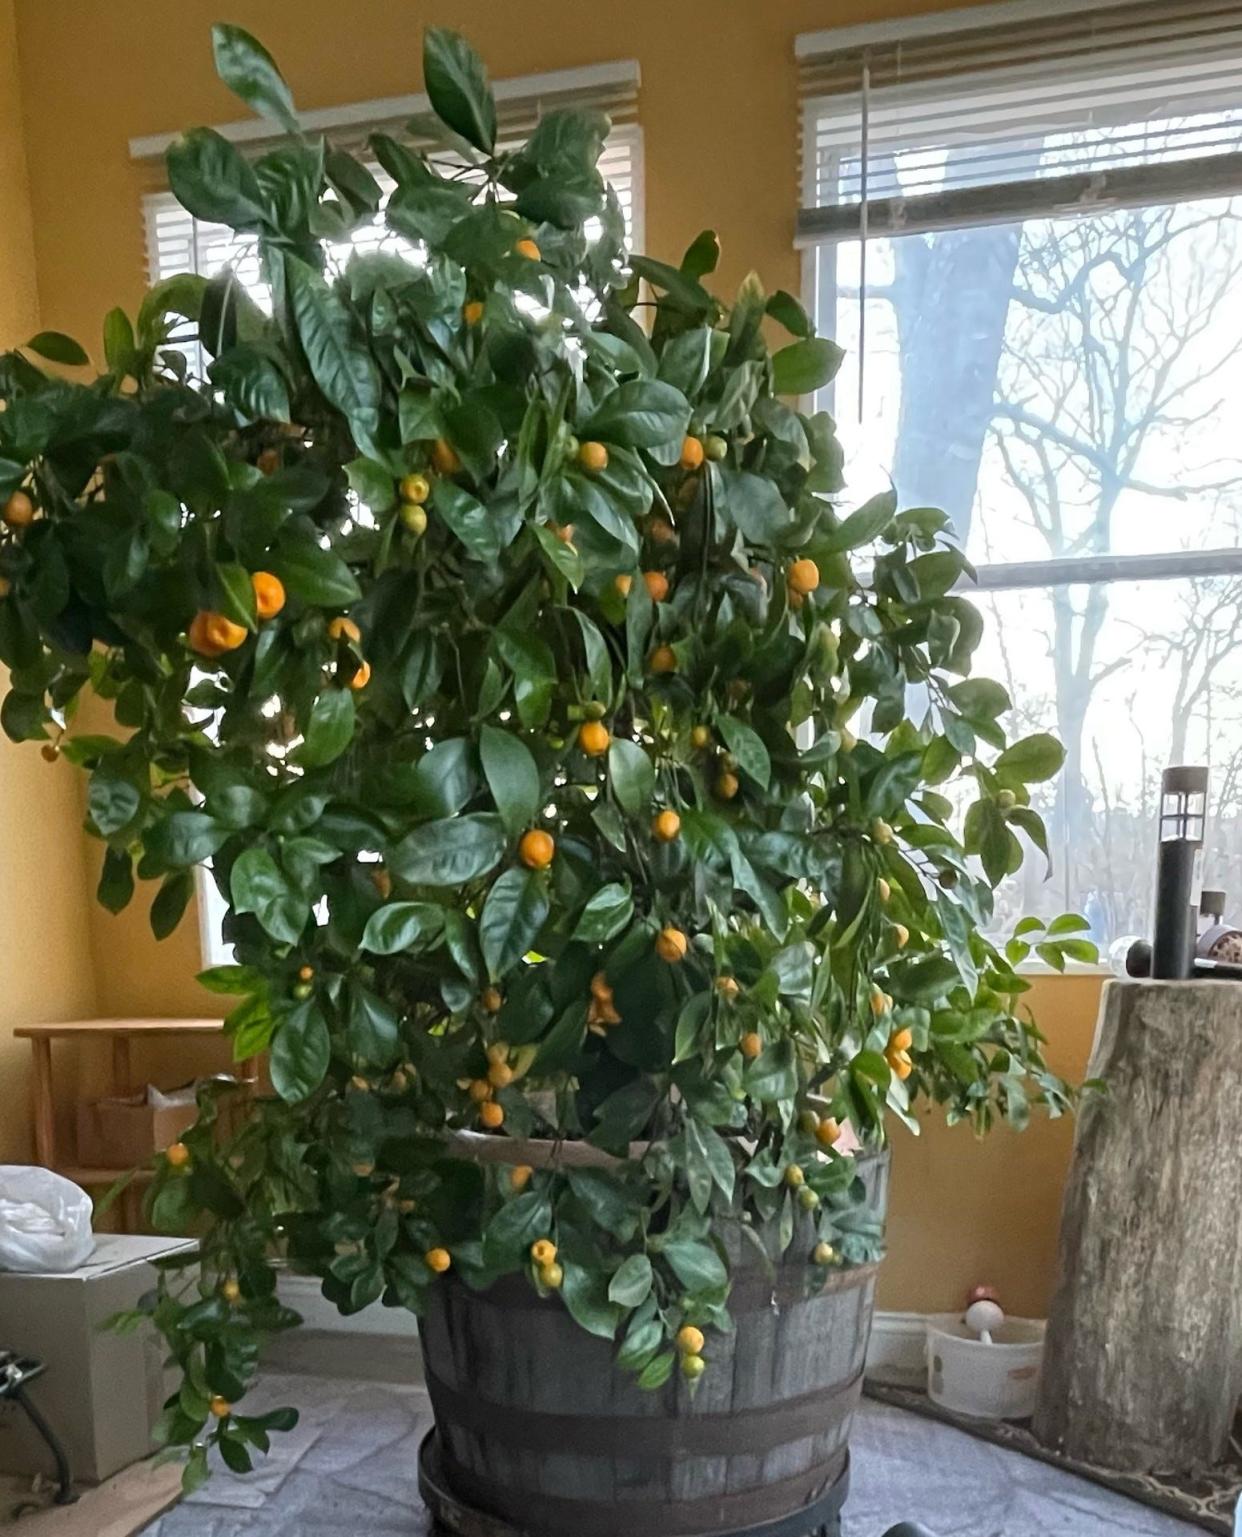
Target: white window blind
[
  {"x": 945, "y": 123},
  {"x": 177, "y": 242}
]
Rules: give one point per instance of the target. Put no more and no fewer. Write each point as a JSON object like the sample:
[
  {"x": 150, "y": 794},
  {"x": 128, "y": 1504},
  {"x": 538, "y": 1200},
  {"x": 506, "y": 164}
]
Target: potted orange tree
[{"x": 499, "y": 652}]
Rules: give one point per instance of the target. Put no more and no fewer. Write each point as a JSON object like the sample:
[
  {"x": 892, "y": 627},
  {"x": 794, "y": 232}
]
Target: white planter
[{"x": 991, "y": 1382}]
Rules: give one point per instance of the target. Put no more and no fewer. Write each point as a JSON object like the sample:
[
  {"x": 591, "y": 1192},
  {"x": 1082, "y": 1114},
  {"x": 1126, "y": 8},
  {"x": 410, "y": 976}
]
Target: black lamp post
[{"x": 1183, "y": 818}]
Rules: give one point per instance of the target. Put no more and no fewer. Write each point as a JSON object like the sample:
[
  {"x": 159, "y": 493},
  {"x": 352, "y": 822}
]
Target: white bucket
[{"x": 991, "y": 1382}]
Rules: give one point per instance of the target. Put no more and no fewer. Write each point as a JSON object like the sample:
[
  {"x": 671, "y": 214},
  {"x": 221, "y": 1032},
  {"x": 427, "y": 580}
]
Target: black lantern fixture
[{"x": 1183, "y": 821}]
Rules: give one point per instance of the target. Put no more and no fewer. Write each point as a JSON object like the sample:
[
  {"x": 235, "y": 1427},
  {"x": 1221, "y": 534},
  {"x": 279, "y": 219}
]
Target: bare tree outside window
[{"x": 1064, "y": 389}]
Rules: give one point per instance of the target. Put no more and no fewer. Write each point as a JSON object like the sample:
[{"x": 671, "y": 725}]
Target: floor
[{"x": 351, "y": 1466}]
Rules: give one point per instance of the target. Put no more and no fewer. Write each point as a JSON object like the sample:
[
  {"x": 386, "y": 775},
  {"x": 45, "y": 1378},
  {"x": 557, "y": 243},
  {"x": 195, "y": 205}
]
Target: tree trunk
[{"x": 1141, "y": 1369}]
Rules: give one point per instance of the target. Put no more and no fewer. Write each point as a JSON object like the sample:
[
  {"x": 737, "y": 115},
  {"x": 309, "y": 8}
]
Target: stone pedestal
[{"x": 1144, "y": 1341}]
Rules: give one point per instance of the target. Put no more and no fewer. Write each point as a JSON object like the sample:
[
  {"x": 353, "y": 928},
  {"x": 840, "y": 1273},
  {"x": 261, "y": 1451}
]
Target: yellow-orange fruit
[
  {"x": 491, "y": 1000},
  {"x": 751, "y": 1044},
  {"x": 528, "y": 249},
  {"x": 438, "y": 1260},
  {"x": 543, "y": 1251},
  {"x": 803, "y": 577},
  {"x": 342, "y": 628},
  {"x": 361, "y": 677},
  {"x": 269, "y": 594},
  {"x": 671, "y": 945},
  {"x": 593, "y": 738},
  {"x": 726, "y": 786},
  {"x": 472, "y": 311},
  {"x": 492, "y": 1115},
  {"x": 19, "y": 510},
  {"x": 691, "y": 453},
  {"x": 657, "y": 585},
  {"x": 444, "y": 457},
  {"x": 690, "y": 1340},
  {"x": 536, "y": 849},
  {"x": 623, "y": 583},
  {"x": 827, "y": 1132},
  {"x": 666, "y": 826},
  {"x": 663, "y": 659},
  {"x": 593, "y": 457},
  {"x": 177, "y": 1154},
  {"x": 414, "y": 488}
]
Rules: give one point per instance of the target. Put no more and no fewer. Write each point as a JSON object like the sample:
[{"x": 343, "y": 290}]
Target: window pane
[
  {"x": 1132, "y": 676},
  {"x": 1061, "y": 388}
]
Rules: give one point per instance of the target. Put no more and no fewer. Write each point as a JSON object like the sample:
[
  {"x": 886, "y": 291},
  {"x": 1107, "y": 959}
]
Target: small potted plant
[{"x": 495, "y": 632}]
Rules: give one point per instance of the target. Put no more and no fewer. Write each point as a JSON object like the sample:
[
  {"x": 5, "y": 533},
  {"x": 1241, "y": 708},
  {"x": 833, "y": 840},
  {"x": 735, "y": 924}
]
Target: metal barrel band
[
  {"x": 658, "y": 1437},
  {"x": 465, "y": 1504}
]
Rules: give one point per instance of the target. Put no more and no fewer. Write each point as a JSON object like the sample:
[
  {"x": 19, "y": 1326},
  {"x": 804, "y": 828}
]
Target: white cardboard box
[{"x": 101, "y": 1391}]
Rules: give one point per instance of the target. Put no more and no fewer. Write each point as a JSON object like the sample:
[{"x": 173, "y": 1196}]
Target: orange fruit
[
  {"x": 230, "y": 1290},
  {"x": 728, "y": 988},
  {"x": 363, "y": 1169},
  {"x": 884, "y": 889},
  {"x": 177, "y": 1154},
  {"x": 382, "y": 882},
  {"x": 901, "y": 1040},
  {"x": 222, "y": 633},
  {"x": 726, "y": 785},
  {"x": 362, "y": 677},
  {"x": 519, "y": 1176},
  {"x": 220, "y": 1406},
  {"x": 827, "y": 1132},
  {"x": 593, "y": 738},
  {"x": 197, "y": 637},
  {"x": 342, "y": 628},
  {"x": 19, "y": 510},
  {"x": 657, "y": 585},
  {"x": 269, "y": 594},
  {"x": 881, "y": 831},
  {"x": 414, "y": 488},
  {"x": 900, "y": 1063},
  {"x": 472, "y": 311},
  {"x": 543, "y": 1251},
  {"x": 500, "y": 1075},
  {"x": 551, "y": 1276},
  {"x": 701, "y": 737},
  {"x": 901, "y": 935},
  {"x": 498, "y": 1051},
  {"x": 528, "y": 249},
  {"x": 666, "y": 826},
  {"x": 751, "y": 1044},
  {"x": 878, "y": 999},
  {"x": 305, "y": 973},
  {"x": 671, "y": 945},
  {"x": 444, "y": 457},
  {"x": 593, "y": 457},
  {"x": 6, "y": 587},
  {"x": 663, "y": 659},
  {"x": 491, "y": 1001},
  {"x": 492, "y": 1115},
  {"x": 600, "y": 987},
  {"x": 480, "y": 1089},
  {"x": 438, "y": 1260},
  {"x": 536, "y": 849},
  {"x": 268, "y": 461},
  {"x": 661, "y": 531},
  {"x": 803, "y": 577},
  {"x": 691, "y": 453},
  {"x": 623, "y": 583},
  {"x": 563, "y": 531},
  {"x": 690, "y": 1341}
]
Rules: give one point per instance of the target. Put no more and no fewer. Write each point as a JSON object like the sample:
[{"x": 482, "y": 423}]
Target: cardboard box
[
  {"x": 120, "y": 1132},
  {"x": 101, "y": 1391}
]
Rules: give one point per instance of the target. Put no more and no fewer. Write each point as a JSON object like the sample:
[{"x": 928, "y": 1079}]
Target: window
[
  {"x": 177, "y": 242},
  {"x": 1027, "y": 231}
]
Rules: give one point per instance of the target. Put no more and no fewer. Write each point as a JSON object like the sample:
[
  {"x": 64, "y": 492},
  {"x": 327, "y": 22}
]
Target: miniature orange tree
[{"x": 498, "y": 651}]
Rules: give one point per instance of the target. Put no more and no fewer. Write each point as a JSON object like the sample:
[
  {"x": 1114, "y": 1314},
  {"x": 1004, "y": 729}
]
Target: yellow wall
[
  {"x": 44, "y": 962},
  {"x": 720, "y": 128}
]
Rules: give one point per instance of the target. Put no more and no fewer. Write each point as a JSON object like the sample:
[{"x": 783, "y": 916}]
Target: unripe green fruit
[
  {"x": 714, "y": 447},
  {"x": 1006, "y": 800},
  {"x": 413, "y": 518},
  {"x": 807, "y": 1198},
  {"x": 303, "y": 991}
]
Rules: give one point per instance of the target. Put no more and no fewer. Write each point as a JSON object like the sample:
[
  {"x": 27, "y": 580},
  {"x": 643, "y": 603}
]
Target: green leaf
[
  {"x": 58, "y": 348},
  {"x": 402, "y": 926},
  {"x": 512, "y": 776},
  {"x": 259, "y": 886},
  {"x": 1065, "y": 923},
  {"x": 253, "y": 384},
  {"x": 631, "y": 1281},
  {"x": 585, "y": 1295},
  {"x": 330, "y": 729},
  {"x": 864, "y": 525},
  {"x": 657, "y": 1371},
  {"x": 702, "y": 254},
  {"x": 806, "y": 366},
  {"x": 116, "y": 880},
  {"x": 235, "y": 594},
  {"x": 518, "y": 1224},
  {"x": 696, "y": 1264},
  {"x": 311, "y": 573},
  {"x": 184, "y": 838},
  {"x": 773, "y": 1075},
  {"x": 642, "y": 413},
  {"x": 214, "y": 181},
  {"x": 753, "y": 503},
  {"x": 457, "y": 86},
  {"x": 250, "y": 72},
  {"x": 631, "y": 775},
  {"x": 170, "y": 903},
  {"x": 233, "y": 981},
  {"x": 515, "y": 911},
  {"x": 747, "y": 747},
  {"x": 1031, "y": 760},
  {"x": 562, "y": 557},
  {"x": 605, "y": 915},
  {"x": 336, "y": 350},
  {"x": 301, "y": 1050},
  {"x": 449, "y": 852},
  {"x": 787, "y": 311},
  {"x": 372, "y": 1028},
  {"x": 980, "y": 699},
  {"x": 478, "y": 527},
  {"x": 112, "y": 803}
]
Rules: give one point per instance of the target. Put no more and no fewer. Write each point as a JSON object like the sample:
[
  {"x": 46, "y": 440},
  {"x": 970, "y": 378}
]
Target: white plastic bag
[{"x": 45, "y": 1220}]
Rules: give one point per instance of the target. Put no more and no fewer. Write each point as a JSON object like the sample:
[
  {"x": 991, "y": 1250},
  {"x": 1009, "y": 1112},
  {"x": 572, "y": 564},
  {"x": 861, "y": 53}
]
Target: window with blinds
[
  {"x": 177, "y": 242},
  {"x": 1024, "y": 222}
]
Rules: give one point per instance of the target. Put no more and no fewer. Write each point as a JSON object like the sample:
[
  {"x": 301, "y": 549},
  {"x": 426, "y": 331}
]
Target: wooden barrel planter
[{"x": 539, "y": 1435}]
